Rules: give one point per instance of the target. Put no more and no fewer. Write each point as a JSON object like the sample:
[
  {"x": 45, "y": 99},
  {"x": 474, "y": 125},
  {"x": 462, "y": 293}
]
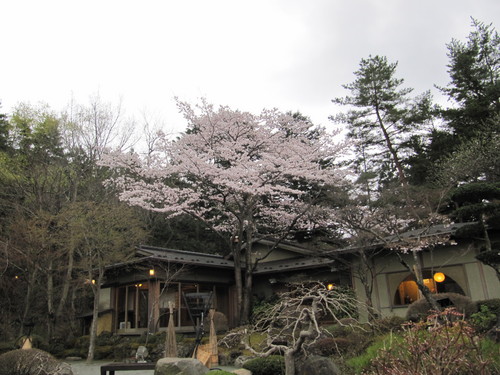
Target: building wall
[
  {"x": 105, "y": 299},
  {"x": 457, "y": 262},
  {"x": 105, "y": 323}
]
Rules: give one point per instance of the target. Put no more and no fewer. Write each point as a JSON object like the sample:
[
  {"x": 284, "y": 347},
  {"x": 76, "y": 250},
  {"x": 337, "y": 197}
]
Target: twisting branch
[{"x": 293, "y": 324}]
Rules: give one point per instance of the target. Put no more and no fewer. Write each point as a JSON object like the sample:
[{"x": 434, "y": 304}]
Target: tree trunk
[
  {"x": 392, "y": 151},
  {"x": 426, "y": 293},
  {"x": 247, "y": 294},
  {"x": 366, "y": 276},
  {"x": 238, "y": 279},
  {"x": 289, "y": 362},
  {"x": 66, "y": 283},
  {"x": 27, "y": 300},
  {"x": 96, "y": 289},
  {"x": 50, "y": 300},
  {"x": 247, "y": 287}
]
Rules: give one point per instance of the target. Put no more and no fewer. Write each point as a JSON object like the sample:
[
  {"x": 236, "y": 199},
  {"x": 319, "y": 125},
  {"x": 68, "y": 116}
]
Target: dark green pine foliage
[
  {"x": 474, "y": 90},
  {"x": 479, "y": 202},
  {"x": 474, "y": 70},
  {"x": 383, "y": 119},
  {"x": 4, "y": 132}
]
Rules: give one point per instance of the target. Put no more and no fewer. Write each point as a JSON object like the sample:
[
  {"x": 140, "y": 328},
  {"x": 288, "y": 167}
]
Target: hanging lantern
[
  {"x": 330, "y": 286},
  {"x": 151, "y": 272},
  {"x": 439, "y": 277}
]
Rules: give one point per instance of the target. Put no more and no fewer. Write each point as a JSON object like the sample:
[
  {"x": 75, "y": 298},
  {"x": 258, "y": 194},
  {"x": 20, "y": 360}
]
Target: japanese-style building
[{"x": 136, "y": 295}]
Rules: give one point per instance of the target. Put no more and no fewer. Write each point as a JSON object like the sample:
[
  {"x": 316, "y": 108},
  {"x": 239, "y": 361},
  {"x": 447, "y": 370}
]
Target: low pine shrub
[
  {"x": 271, "y": 365},
  {"x": 484, "y": 319}
]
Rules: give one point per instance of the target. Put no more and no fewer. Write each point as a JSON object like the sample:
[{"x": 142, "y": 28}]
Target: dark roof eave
[{"x": 410, "y": 235}]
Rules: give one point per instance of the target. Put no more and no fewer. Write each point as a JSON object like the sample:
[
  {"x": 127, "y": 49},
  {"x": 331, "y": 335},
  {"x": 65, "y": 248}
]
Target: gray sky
[{"x": 288, "y": 54}]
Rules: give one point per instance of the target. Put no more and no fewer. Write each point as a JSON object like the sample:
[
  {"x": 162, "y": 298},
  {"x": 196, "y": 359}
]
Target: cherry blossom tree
[{"x": 246, "y": 176}]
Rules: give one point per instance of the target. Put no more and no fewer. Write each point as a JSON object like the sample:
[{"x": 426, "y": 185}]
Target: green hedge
[{"x": 271, "y": 365}]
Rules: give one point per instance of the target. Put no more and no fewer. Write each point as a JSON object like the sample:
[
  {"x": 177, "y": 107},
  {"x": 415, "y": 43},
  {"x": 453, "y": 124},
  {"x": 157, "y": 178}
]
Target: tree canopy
[{"x": 244, "y": 175}]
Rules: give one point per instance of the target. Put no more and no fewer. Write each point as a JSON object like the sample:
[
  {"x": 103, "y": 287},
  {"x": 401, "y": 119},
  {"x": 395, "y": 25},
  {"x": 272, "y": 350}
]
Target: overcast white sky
[{"x": 289, "y": 54}]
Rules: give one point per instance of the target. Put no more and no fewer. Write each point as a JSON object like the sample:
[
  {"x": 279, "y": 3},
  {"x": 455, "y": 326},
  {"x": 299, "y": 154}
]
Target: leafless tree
[{"x": 293, "y": 324}]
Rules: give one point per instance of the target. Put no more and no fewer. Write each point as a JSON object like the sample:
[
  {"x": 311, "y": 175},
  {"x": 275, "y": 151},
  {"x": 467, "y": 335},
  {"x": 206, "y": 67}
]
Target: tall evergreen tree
[
  {"x": 382, "y": 118},
  {"x": 474, "y": 70}
]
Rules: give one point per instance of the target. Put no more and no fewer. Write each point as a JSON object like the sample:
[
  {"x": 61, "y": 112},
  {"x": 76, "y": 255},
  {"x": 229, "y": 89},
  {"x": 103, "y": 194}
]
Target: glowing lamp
[
  {"x": 93, "y": 281},
  {"x": 151, "y": 272},
  {"x": 330, "y": 286},
  {"x": 439, "y": 277}
]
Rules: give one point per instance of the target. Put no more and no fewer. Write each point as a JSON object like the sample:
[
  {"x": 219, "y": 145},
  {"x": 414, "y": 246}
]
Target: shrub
[
  {"x": 361, "y": 362},
  {"x": 7, "y": 347},
  {"x": 329, "y": 346},
  {"x": 389, "y": 324},
  {"x": 271, "y": 365},
  {"x": 103, "y": 352},
  {"x": 492, "y": 304},
  {"x": 419, "y": 310},
  {"x": 220, "y": 372},
  {"x": 31, "y": 361},
  {"x": 484, "y": 319},
  {"x": 441, "y": 345}
]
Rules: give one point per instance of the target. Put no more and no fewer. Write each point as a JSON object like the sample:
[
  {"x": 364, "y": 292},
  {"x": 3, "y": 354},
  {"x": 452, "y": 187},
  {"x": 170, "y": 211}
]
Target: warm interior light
[
  {"x": 330, "y": 286},
  {"x": 93, "y": 281},
  {"x": 151, "y": 272},
  {"x": 439, "y": 277}
]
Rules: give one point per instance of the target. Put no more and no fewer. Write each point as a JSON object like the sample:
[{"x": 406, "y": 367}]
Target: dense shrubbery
[
  {"x": 487, "y": 316},
  {"x": 443, "y": 344},
  {"x": 272, "y": 365},
  {"x": 420, "y": 309}
]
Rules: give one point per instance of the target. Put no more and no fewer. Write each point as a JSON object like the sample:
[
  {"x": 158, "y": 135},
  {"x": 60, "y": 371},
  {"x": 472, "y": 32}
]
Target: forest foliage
[{"x": 234, "y": 176}]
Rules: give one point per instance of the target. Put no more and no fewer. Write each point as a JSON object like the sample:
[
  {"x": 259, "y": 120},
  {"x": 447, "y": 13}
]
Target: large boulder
[
  {"x": 316, "y": 365},
  {"x": 32, "y": 362},
  {"x": 180, "y": 366}
]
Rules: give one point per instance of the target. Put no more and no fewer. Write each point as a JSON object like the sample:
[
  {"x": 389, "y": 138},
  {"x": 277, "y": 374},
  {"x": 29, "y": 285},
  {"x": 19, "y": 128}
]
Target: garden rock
[
  {"x": 180, "y": 366},
  {"x": 315, "y": 365},
  {"x": 32, "y": 362}
]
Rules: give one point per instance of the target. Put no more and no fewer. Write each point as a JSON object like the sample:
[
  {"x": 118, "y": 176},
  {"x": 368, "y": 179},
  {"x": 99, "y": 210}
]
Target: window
[
  {"x": 407, "y": 291},
  {"x": 133, "y": 306}
]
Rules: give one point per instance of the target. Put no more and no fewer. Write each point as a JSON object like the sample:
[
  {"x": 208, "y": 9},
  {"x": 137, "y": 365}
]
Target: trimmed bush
[
  {"x": 492, "y": 304},
  {"x": 389, "y": 324},
  {"x": 219, "y": 372},
  {"x": 32, "y": 361},
  {"x": 329, "y": 346},
  {"x": 271, "y": 365},
  {"x": 419, "y": 310},
  {"x": 484, "y": 319},
  {"x": 103, "y": 352}
]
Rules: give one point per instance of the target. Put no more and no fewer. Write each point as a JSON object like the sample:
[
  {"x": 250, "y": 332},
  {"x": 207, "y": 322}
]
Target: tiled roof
[
  {"x": 291, "y": 264},
  {"x": 185, "y": 257}
]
